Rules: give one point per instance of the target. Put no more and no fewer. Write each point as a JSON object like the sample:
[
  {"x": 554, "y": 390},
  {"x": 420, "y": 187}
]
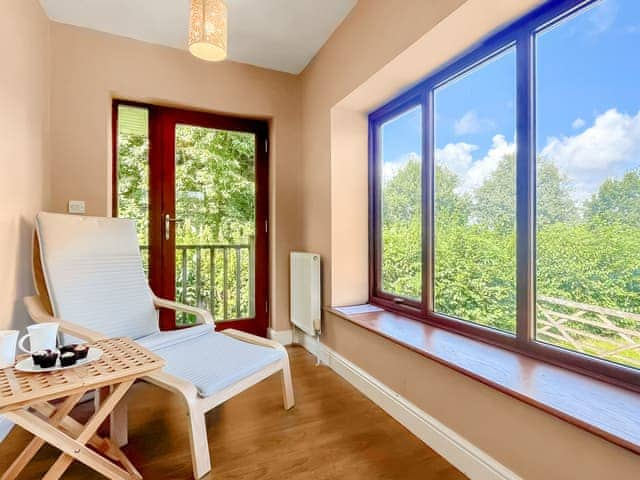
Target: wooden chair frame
[{"x": 39, "y": 309}]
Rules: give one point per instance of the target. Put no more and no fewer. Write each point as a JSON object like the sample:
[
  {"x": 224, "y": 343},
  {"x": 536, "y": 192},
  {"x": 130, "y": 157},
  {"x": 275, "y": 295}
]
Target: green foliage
[
  {"x": 451, "y": 207},
  {"x": 553, "y": 196},
  {"x": 474, "y": 274},
  {"x": 402, "y": 194},
  {"x": 591, "y": 257},
  {"x": 590, "y": 263},
  {"x": 215, "y": 185},
  {"x": 617, "y": 201},
  {"x": 402, "y": 244},
  {"x": 133, "y": 182},
  {"x": 402, "y": 258},
  {"x": 215, "y": 199},
  {"x": 495, "y": 200}
]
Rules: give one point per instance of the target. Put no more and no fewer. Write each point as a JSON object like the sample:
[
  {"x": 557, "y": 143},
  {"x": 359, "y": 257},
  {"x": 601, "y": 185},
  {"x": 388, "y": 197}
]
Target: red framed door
[{"x": 207, "y": 212}]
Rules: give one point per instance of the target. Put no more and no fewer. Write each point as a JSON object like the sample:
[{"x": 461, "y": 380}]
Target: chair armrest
[
  {"x": 202, "y": 315},
  {"x": 249, "y": 338},
  {"x": 176, "y": 385},
  {"x": 39, "y": 315}
]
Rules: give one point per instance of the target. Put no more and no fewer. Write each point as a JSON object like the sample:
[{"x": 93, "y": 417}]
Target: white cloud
[
  {"x": 602, "y": 16},
  {"x": 458, "y": 158},
  {"x": 390, "y": 169},
  {"x": 482, "y": 169},
  {"x": 609, "y": 148},
  {"x": 470, "y": 122},
  {"x": 578, "y": 123}
]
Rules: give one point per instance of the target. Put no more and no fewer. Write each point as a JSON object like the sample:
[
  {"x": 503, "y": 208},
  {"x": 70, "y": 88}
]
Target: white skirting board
[
  {"x": 283, "y": 337},
  {"x": 457, "y": 450}
]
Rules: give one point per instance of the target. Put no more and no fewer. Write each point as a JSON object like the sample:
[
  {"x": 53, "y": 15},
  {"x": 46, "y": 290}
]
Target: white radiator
[{"x": 305, "y": 291}]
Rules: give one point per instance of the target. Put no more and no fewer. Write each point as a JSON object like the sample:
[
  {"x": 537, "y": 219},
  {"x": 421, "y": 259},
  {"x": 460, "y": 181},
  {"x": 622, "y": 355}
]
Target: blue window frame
[{"x": 417, "y": 301}]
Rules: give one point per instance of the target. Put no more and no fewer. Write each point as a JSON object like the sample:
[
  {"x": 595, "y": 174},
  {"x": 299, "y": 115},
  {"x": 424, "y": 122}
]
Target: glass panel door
[
  {"x": 131, "y": 171},
  {"x": 215, "y": 222},
  {"x": 197, "y": 186}
]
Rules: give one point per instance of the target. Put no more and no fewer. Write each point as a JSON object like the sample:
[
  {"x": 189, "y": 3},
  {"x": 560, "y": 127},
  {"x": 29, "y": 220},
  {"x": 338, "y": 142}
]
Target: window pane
[
  {"x": 401, "y": 214},
  {"x": 475, "y": 208},
  {"x": 588, "y": 183},
  {"x": 215, "y": 187},
  {"x": 133, "y": 171}
]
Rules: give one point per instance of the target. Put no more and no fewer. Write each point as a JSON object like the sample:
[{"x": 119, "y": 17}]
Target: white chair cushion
[
  {"x": 94, "y": 274},
  {"x": 209, "y": 360},
  {"x": 159, "y": 340}
]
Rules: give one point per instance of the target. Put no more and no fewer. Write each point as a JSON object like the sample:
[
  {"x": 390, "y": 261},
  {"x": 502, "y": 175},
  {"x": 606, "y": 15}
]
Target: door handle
[{"x": 167, "y": 225}]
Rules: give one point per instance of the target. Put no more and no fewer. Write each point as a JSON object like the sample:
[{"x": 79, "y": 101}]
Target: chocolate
[
  {"x": 39, "y": 355},
  {"x": 68, "y": 348},
  {"x": 67, "y": 359},
  {"x": 81, "y": 351},
  {"x": 49, "y": 359}
]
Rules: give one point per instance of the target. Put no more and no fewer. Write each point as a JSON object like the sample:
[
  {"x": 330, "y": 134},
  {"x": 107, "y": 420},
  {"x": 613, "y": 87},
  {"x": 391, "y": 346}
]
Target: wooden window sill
[{"x": 603, "y": 409}]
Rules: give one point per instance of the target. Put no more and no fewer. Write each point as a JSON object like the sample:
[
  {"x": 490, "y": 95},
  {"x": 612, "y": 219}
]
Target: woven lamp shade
[{"x": 208, "y": 30}]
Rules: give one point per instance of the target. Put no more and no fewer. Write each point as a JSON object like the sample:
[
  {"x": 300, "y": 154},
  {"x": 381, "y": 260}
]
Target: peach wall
[
  {"x": 373, "y": 34},
  {"x": 91, "y": 68},
  {"x": 348, "y": 275},
  {"x": 379, "y": 50},
  {"x": 24, "y": 136},
  {"x": 318, "y": 160},
  {"x": 531, "y": 443}
]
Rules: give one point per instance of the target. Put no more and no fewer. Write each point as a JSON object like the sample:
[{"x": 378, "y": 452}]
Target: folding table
[{"x": 27, "y": 399}]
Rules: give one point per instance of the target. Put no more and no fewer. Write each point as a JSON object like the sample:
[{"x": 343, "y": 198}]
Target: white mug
[
  {"x": 8, "y": 340},
  {"x": 42, "y": 336}
]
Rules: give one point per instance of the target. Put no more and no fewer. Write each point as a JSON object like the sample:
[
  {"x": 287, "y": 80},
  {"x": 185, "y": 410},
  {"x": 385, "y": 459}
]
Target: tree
[
  {"x": 554, "y": 203},
  {"x": 592, "y": 259},
  {"x": 215, "y": 185},
  {"x": 495, "y": 200},
  {"x": 215, "y": 198},
  {"x": 402, "y": 231},
  {"x": 402, "y": 258},
  {"x": 402, "y": 194},
  {"x": 616, "y": 202},
  {"x": 450, "y": 206},
  {"x": 133, "y": 182}
]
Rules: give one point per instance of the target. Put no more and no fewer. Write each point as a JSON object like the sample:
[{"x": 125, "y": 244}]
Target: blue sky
[{"x": 588, "y": 104}]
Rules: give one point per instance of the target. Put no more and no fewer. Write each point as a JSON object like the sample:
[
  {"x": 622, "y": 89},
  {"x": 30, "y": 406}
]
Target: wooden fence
[{"x": 601, "y": 332}]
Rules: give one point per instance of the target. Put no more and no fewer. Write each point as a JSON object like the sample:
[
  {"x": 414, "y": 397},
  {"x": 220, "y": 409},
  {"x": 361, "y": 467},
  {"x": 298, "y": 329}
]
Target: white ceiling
[{"x": 277, "y": 34}]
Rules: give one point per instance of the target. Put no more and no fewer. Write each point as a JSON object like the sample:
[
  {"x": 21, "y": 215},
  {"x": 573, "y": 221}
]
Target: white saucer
[{"x": 26, "y": 364}]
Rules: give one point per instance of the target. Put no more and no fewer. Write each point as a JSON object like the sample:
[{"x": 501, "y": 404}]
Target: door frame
[{"x": 162, "y": 122}]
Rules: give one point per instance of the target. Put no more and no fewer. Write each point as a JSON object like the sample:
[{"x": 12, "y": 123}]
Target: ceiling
[{"x": 277, "y": 34}]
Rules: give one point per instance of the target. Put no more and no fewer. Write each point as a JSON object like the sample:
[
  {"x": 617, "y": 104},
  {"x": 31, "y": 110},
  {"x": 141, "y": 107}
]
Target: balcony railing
[{"x": 218, "y": 277}]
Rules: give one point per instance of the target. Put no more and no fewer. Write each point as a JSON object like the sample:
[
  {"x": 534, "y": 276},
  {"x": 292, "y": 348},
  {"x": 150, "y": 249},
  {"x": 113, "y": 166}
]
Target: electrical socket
[{"x": 76, "y": 206}]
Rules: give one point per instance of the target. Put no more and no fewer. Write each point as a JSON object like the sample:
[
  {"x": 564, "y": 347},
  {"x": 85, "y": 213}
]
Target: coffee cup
[
  {"x": 42, "y": 336},
  {"x": 8, "y": 341}
]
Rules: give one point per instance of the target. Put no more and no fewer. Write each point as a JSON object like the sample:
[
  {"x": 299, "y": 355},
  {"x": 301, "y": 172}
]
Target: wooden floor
[{"x": 334, "y": 432}]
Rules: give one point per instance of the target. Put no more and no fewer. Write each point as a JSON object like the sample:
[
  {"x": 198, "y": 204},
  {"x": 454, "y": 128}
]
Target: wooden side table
[{"x": 25, "y": 399}]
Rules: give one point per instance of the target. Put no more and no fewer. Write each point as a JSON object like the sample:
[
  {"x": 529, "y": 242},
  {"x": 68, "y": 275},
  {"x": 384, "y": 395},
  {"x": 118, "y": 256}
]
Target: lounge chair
[{"x": 89, "y": 277}]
